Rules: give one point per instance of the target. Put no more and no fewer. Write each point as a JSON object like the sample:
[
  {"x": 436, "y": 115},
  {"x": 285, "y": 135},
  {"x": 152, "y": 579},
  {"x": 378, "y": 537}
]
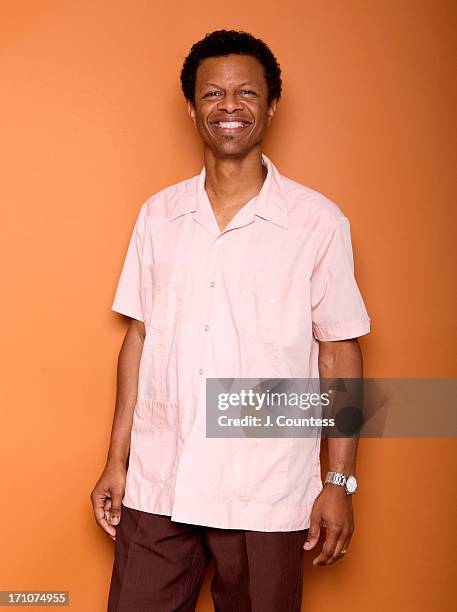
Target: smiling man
[{"x": 235, "y": 272}]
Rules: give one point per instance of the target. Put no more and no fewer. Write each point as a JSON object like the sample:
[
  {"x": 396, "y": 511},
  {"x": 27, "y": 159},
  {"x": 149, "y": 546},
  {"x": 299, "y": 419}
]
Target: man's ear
[
  {"x": 191, "y": 111},
  {"x": 272, "y": 109}
]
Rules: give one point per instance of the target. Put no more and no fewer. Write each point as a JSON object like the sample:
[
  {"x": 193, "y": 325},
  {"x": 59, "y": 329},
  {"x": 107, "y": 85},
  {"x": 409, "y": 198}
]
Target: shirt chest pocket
[
  {"x": 163, "y": 285},
  {"x": 275, "y": 309}
]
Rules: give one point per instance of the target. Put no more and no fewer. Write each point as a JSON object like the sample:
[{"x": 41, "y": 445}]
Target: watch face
[{"x": 351, "y": 484}]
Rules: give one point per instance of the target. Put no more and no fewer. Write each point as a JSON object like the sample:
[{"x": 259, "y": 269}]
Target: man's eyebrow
[{"x": 205, "y": 84}]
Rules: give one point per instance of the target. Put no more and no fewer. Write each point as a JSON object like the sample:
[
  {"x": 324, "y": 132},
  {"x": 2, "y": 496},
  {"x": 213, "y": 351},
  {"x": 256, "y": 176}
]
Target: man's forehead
[{"x": 241, "y": 68}]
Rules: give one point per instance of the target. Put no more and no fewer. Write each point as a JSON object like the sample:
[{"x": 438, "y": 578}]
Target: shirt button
[
  {"x": 200, "y": 371},
  {"x": 206, "y": 327},
  {"x": 212, "y": 284},
  {"x": 219, "y": 242},
  {"x": 272, "y": 300}
]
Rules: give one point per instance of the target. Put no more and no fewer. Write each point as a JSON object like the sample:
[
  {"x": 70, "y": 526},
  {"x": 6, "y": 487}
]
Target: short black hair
[{"x": 227, "y": 42}]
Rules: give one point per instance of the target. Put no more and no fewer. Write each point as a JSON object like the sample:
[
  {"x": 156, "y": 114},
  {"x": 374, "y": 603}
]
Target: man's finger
[
  {"x": 115, "y": 511},
  {"x": 111, "y": 531},
  {"x": 331, "y": 538},
  {"x": 107, "y": 507},
  {"x": 347, "y": 541},
  {"x": 99, "y": 510},
  {"x": 314, "y": 531},
  {"x": 340, "y": 547}
]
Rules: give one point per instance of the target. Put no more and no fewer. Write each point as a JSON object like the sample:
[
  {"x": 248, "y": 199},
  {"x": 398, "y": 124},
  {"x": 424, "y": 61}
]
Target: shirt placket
[
  {"x": 202, "y": 365},
  {"x": 220, "y": 241}
]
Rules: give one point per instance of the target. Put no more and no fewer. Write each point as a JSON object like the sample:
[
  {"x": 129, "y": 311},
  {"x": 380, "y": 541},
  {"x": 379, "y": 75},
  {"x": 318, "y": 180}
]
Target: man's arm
[
  {"x": 127, "y": 387},
  {"x": 107, "y": 494},
  {"x": 333, "y": 507}
]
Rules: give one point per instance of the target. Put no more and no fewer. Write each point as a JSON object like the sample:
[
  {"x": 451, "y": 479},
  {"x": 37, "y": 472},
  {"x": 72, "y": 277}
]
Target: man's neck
[{"x": 231, "y": 182}]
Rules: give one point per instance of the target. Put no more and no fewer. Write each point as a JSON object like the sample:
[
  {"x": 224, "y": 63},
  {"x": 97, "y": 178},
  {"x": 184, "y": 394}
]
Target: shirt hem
[
  {"x": 250, "y": 516},
  {"x": 128, "y": 312},
  {"x": 342, "y": 331}
]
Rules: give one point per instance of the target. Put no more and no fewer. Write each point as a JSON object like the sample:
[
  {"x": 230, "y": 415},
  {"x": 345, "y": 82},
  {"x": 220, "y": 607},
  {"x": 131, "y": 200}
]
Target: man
[{"x": 236, "y": 272}]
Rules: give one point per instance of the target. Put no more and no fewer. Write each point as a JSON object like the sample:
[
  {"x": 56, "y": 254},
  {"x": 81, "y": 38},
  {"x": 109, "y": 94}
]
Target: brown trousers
[{"x": 160, "y": 565}]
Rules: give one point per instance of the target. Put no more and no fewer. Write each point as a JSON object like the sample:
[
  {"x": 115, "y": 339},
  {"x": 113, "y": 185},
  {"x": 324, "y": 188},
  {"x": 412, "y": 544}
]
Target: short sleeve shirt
[{"x": 251, "y": 301}]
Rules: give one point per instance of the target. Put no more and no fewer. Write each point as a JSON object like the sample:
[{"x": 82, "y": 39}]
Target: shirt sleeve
[
  {"x": 338, "y": 310},
  {"x": 127, "y": 298}
]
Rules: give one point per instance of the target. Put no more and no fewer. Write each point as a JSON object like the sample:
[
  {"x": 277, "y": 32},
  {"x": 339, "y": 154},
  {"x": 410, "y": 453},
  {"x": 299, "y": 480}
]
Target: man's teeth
[{"x": 230, "y": 124}]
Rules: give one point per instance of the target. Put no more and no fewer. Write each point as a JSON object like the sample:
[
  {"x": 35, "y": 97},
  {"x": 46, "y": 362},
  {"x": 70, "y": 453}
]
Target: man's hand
[
  {"x": 332, "y": 510},
  {"x": 107, "y": 497}
]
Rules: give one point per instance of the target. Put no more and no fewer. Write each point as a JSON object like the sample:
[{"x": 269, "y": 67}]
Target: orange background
[{"x": 93, "y": 123}]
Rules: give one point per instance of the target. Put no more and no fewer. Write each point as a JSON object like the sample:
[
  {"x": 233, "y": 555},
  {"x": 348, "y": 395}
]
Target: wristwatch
[{"x": 348, "y": 482}]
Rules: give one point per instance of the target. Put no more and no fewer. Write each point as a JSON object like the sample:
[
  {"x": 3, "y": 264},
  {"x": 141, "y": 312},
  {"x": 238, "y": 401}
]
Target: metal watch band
[
  {"x": 349, "y": 482},
  {"x": 336, "y": 478}
]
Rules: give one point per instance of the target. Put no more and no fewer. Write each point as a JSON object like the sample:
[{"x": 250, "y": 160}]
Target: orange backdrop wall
[{"x": 92, "y": 123}]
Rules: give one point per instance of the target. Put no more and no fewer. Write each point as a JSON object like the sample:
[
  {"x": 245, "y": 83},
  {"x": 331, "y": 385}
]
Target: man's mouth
[{"x": 230, "y": 127}]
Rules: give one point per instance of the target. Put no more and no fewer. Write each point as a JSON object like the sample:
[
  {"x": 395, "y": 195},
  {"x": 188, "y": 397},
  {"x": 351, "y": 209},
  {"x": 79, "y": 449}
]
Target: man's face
[{"x": 230, "y": 109}]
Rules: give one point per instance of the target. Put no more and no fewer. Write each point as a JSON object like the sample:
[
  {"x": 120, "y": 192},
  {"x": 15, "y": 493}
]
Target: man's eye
[
  {"x": 248, "y": 91},
  {"x": 210, "y": 93}
]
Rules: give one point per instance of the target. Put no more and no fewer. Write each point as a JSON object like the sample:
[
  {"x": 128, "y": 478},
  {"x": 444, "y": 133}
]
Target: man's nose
[{"x": 230, "y": 103}]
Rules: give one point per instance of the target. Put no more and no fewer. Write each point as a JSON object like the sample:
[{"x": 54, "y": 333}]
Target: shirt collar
[{"x": 270, "y": 203}]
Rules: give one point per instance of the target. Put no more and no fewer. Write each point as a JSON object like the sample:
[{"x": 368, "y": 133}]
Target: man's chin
[{"x": 231, "y": 151}]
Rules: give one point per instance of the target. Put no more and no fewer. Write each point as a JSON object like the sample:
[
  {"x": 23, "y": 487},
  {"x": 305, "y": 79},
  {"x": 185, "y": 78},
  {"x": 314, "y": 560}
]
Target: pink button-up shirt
[{"x": 250, "y": 301}]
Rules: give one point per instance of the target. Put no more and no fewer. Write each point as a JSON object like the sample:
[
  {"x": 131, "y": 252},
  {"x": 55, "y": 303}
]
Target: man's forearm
[
  {"x": 126, "y": 395},
  {"x": 341, "y": 359}
]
